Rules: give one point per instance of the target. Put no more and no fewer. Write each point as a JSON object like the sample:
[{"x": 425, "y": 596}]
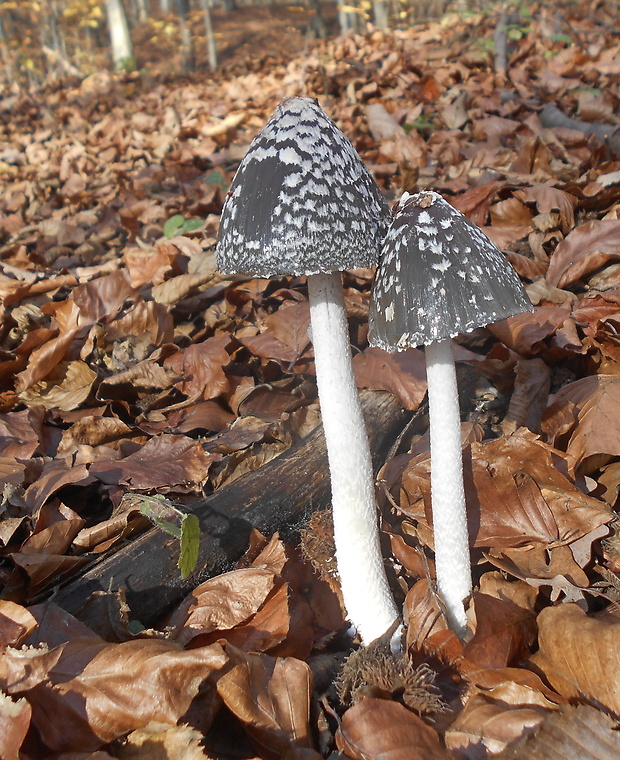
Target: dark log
[
  {"x": 609, "y": 134},
  {"x": 279, "y": 496}
]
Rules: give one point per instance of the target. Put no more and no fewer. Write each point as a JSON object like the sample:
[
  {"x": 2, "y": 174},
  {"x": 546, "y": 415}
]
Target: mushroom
[
  {"x": 303, "y": 203},
  {"x": 439, "y": 275}
]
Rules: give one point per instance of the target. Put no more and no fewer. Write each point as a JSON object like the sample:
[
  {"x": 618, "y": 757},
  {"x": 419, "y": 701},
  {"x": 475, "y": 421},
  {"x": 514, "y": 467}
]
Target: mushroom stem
[
  {"x": 367, "y": 597},
  {"x": 447, "y": 493}
]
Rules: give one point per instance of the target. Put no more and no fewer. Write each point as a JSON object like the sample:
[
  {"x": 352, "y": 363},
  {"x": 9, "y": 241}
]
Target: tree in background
[
  {"x": 187, "y": 46},
  {"x": 209, "y": 34},
  {"x": 120, "y": 39}
]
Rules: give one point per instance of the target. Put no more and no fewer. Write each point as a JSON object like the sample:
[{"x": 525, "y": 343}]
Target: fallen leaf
[
  {"x": 584, "y": 250},
  {"x": 173, "y": 462},
  {"x": 575, "y": 731},
  {"x": 402, "y": 373},
  {"x": 97, "y": 692},
  {"x": 378, "y": 728},
  {"x": 579, "y": 654},
  {"x": 271, "y": 697},
  {"x": 14, "y": 724}
]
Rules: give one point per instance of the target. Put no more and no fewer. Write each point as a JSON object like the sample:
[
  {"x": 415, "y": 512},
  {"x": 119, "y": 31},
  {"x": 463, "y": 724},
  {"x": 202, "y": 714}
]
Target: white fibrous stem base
[
  {"x": 367, "y": 597},
  {"x": 452, "y": 559}
]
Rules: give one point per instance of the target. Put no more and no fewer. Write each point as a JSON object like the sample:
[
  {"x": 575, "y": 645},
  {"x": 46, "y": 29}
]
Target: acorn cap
[
  {"x": 439, "y": 275},
  {"x": 302, "y": 201}
]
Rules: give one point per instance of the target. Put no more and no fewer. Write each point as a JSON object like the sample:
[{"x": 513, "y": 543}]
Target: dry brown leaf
[
  {"x": 150, "y": 319},
  {"x": 173, "y": 462},
  {"x": 222, "y": 603},
  {"x": 206, "y": 415},
  {"x": 579, "y": 655},
  {"x": 379, "y": 728},
  {"x": 526, "y": 333},
  {"x": 268, "y": 403},
  {"x": 492, "y": 723},
  {"x": 14, "y": 724},
  {"x": 201, "y": 368},
  {"x": 97, "y": 692},
  {"x": 148, "y": 265},
  {"x": 550, "y": 199},
  {"x": 581, "y": 413},
  {"x": 42, "y": 360},
  {"x": 42, "y": 569},
  {"x": 516, "y": 495},
  {"x": 176, "y": 289},
  {"x": 93, "y": 430},
  {"x": 504, "y": 630},
  {"x": 290, "y": 325},
  {"x": 271, "y": 697},
  {"x": 575, "y": 731},
  {"x": 529, "y": 397},
  {"x": 584, "y": 250},
  {"x": 11, "y": 472},
  {"x": 55, "y": 538},
  {"x": 161, "y": 741},
  {"x": 147, "y": 375},
  {"x": 402, "y": 373},
  {"x": 423, "y": 614},
  {"x": 66, "y": 387},
  {"x": 20, "y": 433},
  {"x": 103, "y": 297},
  {"x": 475, "y": 202},
  {"x": 267, "y": 346},
  {"x": 55, "y": 475},
  {"x": 16, "y": 623}
]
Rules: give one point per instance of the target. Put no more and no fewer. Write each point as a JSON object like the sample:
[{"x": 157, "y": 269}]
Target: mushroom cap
[
  {"x": 439, "y": 275},
  {"x": 302, "y": 201}
]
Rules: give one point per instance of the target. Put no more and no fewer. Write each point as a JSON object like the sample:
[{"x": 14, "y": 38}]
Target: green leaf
[
  {"x": 175, "y": 523},
  {"x": 190, "y": 545},
  {"x": 216, "y": 178},
  {"x": 561, "y": 38},
  {"x": 172, "y": 226},
  {"x": 135, "y": 627},
  {"x": 421, "y": 124},
  {"x": 189, "y": 225},
  {"x": 515, "y": 34}
]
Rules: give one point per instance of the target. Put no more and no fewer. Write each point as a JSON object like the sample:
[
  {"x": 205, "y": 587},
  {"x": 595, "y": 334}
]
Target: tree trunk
[
  {"x": 209, "y": 35},
  {"x": 120, "y": 40},
  {"x": 229, "y": 5},
  {"x": 9, "y": 71},
  {"x": 347, "y": 18},
  {"x": 381, "y": 14},
  {"x": 316, "y": 24},
  {"x": 164, "y": 6},
  {"x": 187, "y": 48},
  {"x": 142, "y": 10}
]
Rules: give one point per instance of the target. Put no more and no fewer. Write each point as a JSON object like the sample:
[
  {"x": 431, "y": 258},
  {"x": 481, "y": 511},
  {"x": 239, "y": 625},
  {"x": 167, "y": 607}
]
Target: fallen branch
[
  {"x": 500, "y": 38},
  {"x": 277, "y": 497},
  {"x": 609, "y": 134}
]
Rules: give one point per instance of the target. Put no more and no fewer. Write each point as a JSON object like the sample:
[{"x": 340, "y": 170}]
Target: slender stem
[
  {"x": 447, "y": 493},
  {"x": 365, "y": 589}
]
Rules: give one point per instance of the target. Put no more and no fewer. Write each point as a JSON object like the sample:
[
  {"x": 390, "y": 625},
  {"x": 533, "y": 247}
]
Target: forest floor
[
  {"x": 251, "y": 38},
  {"x": 135, "y": 380}
]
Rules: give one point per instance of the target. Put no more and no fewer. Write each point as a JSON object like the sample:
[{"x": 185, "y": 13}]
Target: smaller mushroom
[{"x": 439, "y": 275}]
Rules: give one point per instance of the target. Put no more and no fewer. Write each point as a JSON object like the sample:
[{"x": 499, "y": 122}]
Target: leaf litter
[{"x": 132, "y": 368}]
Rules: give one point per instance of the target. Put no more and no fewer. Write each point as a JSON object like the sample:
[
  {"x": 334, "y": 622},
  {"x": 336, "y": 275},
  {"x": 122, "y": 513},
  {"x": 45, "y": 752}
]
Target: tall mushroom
[
  {"x": 303, "y": 203},
  {"x": 440, "y": 275}
]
